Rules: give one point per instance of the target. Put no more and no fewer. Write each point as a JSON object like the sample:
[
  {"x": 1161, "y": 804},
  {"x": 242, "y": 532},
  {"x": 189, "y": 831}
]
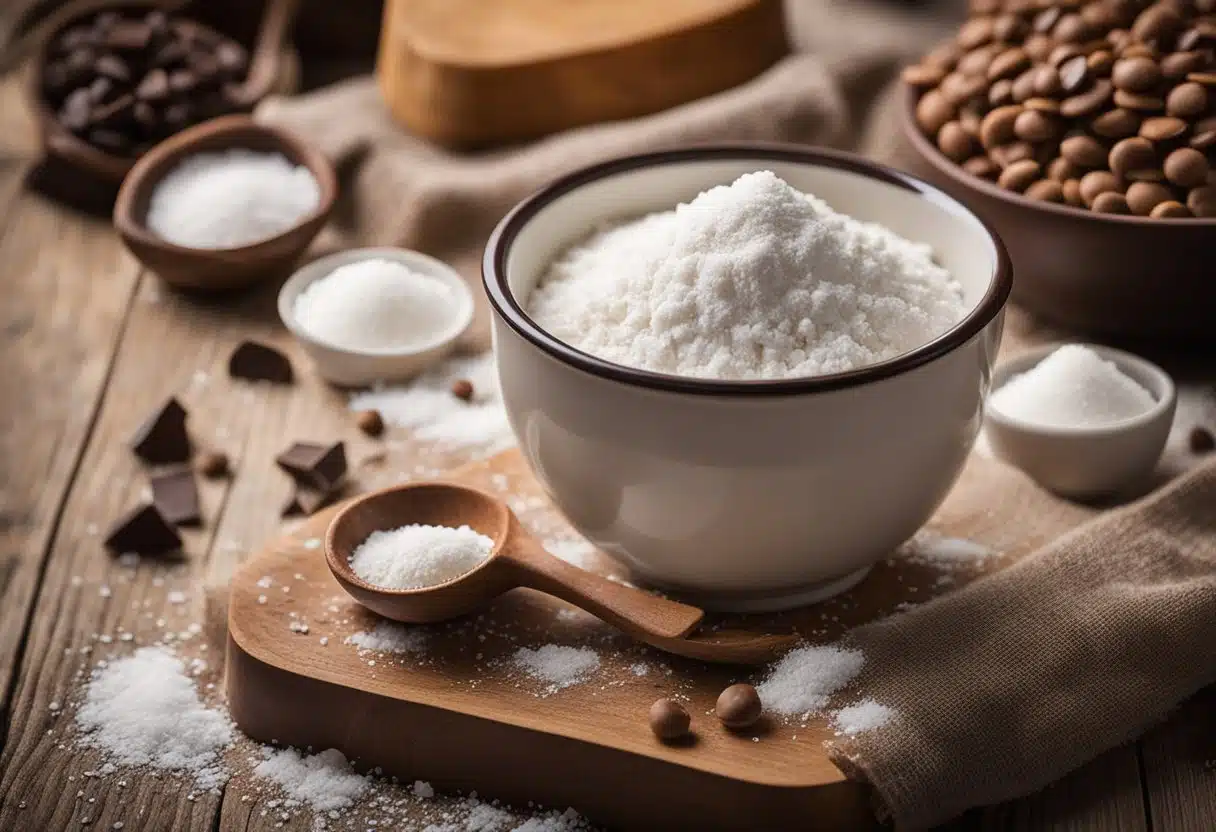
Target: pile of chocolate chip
[
  {"x": 1107, "y": 104},
  {"x": 123, "y": 82}
]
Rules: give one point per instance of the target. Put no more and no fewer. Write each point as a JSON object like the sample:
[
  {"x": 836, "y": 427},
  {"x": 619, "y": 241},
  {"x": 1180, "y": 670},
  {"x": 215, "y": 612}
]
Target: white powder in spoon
[
  {"x": 415, "y": 556},
  {"x": 752, "y": 280},
  {"x": 1074, "y": 387},
  {"x": 231, "y": 199},
  {"x": 377, "y": 305},
  {"x": 806, "y": 677}
]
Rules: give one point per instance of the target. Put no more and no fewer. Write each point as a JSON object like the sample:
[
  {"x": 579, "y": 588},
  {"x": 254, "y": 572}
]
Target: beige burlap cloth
[{"x": 1000, "y": 687}]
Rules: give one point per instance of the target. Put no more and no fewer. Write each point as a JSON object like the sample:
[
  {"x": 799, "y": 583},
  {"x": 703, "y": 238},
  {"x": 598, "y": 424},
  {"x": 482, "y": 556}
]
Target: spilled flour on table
[
  {"x": 557, "y": 665},
  {"x": 427, "y": 407},
  {"x": 866, "y": 715},
  {"x": 801, "y": 683}
]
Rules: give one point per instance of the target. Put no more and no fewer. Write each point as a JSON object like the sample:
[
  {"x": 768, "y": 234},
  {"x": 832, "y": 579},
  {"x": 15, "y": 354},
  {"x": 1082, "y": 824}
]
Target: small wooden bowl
[
  {"x": 228, "y": 268},
  {"x": 66, "y": 151}
]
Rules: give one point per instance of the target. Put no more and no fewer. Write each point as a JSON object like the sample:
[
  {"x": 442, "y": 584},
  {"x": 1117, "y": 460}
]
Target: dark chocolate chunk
[
  {"x": 171, "y": 54},
  {"x": 104, "y": 22},
  {"x": 76, "y": 111},
  {"x": 157, "y": 23},
  {"x": 176, "y": 497},
  {"x": 144, "y": 114},
  {"x": 231, "y": 58},
  {"x": 154, "y": 86},
  {"x": 182, "y": 81},
  {"x": 307, "y": 501},
  {"x": 100, "y": 89},
  {"x": 77, "y": 37},
  {"x": 114, "y": 68},
  {"x": 127, "y": 36},
  {"x": 110, "y": 140},
  {"x": 256, "y": 361},
  {"x": 177, "y": 114},
  {"x": 120, "y": 110},
  {"x": 318, "y": 466},
  {"x": 144, "y": 531},
  {"x": 162, "y": 438},
  {"x": 204, "y": 66}
]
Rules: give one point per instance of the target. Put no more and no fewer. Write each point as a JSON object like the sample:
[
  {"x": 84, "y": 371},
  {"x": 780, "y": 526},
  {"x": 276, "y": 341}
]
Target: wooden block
[{"x": 472, "y": 73}]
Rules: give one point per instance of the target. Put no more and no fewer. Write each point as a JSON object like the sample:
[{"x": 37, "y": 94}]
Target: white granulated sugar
[
  {"x": 557, "y": 665},
  {"x": 754, "y": 280},
  {"x": 390, "y": 637},
  {"x": 416, "y": 556},
  {"x": 946, "y": 552},
  {"x": 866, "y": 715},
  {"x": 231, "y": 199},
  {"x": 428, "y": 408},
  {"x": 143, "y": 710},
  {"x": 578, "y": 553},
  {"x": 1074, "y": 387},
  {"x": 806, "y": 677},
  {"x": 377, "y": 305},
  {"x": 423, "y": 790},
  {"x": 324, "y": 781}
]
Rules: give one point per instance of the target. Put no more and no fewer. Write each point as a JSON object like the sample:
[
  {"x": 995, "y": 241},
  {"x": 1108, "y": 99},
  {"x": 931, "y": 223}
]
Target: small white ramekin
[
  {"x": 359, "y": 367},
  {"x": 745, "y": 495}
]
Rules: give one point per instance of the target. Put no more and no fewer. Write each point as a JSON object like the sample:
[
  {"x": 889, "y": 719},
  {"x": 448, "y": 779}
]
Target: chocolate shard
[
  {"x": 162, "y": 438},
  {"x": 316, "y": 466},
  {"x": 144, "y": 531},
  {"x": 258, "y": 362},
  {"x": 176, "y": 497},
  {"x": 114, "y": 68},
  {"x": 154, "y": 86},
  {"x": 307, "y": 501}
]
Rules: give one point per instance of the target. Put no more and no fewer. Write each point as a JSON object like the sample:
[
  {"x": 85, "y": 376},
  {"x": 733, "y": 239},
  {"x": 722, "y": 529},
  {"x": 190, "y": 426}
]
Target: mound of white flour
[{"x": 755, "y": 280}]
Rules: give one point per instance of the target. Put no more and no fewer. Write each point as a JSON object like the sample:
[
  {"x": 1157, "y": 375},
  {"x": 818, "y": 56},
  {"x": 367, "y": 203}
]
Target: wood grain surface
[{"x": 88, "y": 346}]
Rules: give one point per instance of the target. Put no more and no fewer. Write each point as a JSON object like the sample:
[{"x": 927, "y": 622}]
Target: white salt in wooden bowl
[
  {"x": 1086, "y": 462},
  {"x": 351, "y": 367},
  {"x": 745, "y": 495}
]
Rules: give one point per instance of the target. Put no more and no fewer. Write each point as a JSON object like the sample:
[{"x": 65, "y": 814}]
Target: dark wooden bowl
[
  {"x": 219, "y": 269},
  {"x": 1116, "y": 276},
  {"x": 67, "y": 152}
]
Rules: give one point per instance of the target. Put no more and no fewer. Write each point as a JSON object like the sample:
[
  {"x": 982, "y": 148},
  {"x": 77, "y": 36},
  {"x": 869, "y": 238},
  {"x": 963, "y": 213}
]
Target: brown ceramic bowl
[
  {"x": 226, "y": 268},
  {"x": 1119, "y": 276},
  {"x": 66, "y": 151}
]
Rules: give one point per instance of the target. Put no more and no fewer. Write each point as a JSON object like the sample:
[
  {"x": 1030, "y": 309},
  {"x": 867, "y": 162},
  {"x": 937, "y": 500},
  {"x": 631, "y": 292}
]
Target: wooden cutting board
[
  {"x": 459, "y": 716},
  {"x": 473, "y": 73}
]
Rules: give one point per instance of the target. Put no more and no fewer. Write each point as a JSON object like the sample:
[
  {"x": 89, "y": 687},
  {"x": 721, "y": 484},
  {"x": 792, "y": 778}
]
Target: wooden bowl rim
[
  {"x": 66, "y": 143},
  {"x": 150, "y": 167},
  {"x": 339, "y": 563},
  {"x": 933, "y": 156}
]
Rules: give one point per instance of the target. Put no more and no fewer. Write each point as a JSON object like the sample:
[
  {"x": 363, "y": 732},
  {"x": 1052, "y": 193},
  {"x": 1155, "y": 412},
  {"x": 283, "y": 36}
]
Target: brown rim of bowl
[
  {"x": 154, "y": 164},
  {"x": 929, "y": 151},
  {"x": 494, "y": 274}
]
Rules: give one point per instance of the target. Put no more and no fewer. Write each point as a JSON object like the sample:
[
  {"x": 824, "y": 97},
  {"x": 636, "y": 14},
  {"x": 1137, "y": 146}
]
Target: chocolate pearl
[
  {"x": 1157, "y": 22},
  {"x": 1072, "y": 193},
  {"x": 975, "y": 32},
  {"x": 1131, "y": 154},
  {"x": 1172, "y": 210},
  {"x": 977, "y": 62},
  {"x": 1063, "y": 53},
  {"x": 944, "y": 55},
  {"x": 1008, "y": 63},
  {"x": 462, "y": 388},
  {"x": 1023, "y": 86},
  {"x": 1073, "y": 74},
  {"x": 1135, "y": 74},
  {"x": 1204, "y": 140},
  {"x": 1187, "y": 168},
  {"x": 370, "y": 422},
  {"x": 1118, "y": 38},
  {"x": 1046, "y": 20},
  {"x": 954, "y": 141},
  {"x": 1192, "y": 38},
  {"x": 1096, "y": 183},
  {"x": 1000, "y": 93},
  {"x": 1138, "y": 102},
  {"x": 1061, "y": 170},
  {"x": 1186, "y": 100},
  {"x": 1008, "y": 154},
  {"x": 1116, "y": 124},
  {"x": 1038, "y": 47},
  {"x": 1163, "y": 128},
  {"x": 983, "y": 167},
  {"x": 1111, "y": 203},
  {"x": 1047, "y": 81},
  {"x": 1033, "y": 126},
  {"x": 923, "y": 76},
  {"x": 1143, "y": 197},
  {"x": 1043, "y": 105},
  {"x": 1088, "y": 102},
  {"x": 213, "y": 464},
  {"x": 959, "y": 88},
  {"x": 933, "y": 111},
  {"x": 1019, "y": 175},
  {"x": 1179, "y": 64},
  {"x": 738, "y": 706},
  {"x": 997, "y": 128},
  {"x": 1071, "y": 27},
  {"x": 668, "y": 720},
  {"x": 1046, "y": 190},
  {"x": 1098, "y": 16},
  {"x": 1201, "y": 440},
  {"x": 1009, "y": 28},
  {"x": 1202, "y": 201},
  {"x": 1100, "y": 62},
  {"x": 970, "y": 120},
  {"x": 1084, "y": 151}
]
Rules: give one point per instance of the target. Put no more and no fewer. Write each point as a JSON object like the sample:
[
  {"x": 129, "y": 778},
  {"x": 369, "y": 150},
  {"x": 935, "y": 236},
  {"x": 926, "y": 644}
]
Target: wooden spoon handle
[
  {"x": 644, "y": 616},
  {"x": 267, "y": 52}
]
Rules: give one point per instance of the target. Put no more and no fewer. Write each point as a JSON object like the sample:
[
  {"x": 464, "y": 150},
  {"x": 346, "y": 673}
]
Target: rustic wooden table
[{"x": 89, "y": 344}]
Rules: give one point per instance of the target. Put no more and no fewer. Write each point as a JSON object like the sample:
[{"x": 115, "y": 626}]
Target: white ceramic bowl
[
  {"x": 1084, "y": 463},
  {"x": 745, "y": 495},
  {"x": 359, "y": 367}
]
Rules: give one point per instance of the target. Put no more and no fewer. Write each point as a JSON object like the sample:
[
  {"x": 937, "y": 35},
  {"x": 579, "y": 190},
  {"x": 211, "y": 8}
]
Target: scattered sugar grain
[
  {"x": 578, "y": 553},
  {"x": 324, "y": 781},
  {"x": 377, "y": 304},
  {"x": 231, "y": 199},
  {"x": 390, "y": 637},
  {"x": 1074, "y": 387},
  {"x": 866, "y": 715},
  {"x": 417, "y": 555},
  {"x": 560, "y": 666},
  {"x": 804, "y": 679},
  {"x": 946, "y": 552}
]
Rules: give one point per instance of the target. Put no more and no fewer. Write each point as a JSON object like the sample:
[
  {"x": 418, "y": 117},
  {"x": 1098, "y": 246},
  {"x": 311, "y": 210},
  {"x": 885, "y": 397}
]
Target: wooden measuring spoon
[{"x": 518, "y": 560}]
